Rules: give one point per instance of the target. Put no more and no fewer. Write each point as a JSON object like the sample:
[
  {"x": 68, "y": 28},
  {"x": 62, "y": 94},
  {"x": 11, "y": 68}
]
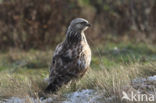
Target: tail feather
[
  {"x": 54, "y": 86},
  {"x": 51, "y": 88},
  {"x": 57, "y": 83}
]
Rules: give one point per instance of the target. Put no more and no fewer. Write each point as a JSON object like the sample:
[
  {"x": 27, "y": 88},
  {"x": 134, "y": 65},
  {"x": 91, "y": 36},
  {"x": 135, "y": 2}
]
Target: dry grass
[
  {"x": 22, "y": 73},
  {"x": 116, "y": 78},
  {"x": 112, "y": 81}
]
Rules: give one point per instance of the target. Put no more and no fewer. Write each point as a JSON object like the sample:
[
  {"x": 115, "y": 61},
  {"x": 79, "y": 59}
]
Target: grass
[{"x": 113, "y": 67}]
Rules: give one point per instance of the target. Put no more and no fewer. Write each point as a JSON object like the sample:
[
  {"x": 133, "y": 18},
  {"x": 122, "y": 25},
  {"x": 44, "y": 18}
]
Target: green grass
[{"x": 113, "y": 66}]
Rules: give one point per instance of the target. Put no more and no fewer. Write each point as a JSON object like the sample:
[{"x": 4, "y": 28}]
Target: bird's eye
[{"x": 82, "y": 23}]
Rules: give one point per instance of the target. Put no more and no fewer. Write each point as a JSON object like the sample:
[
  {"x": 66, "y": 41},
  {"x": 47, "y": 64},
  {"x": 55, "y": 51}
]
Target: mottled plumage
[{"x": 72, "y": 57}]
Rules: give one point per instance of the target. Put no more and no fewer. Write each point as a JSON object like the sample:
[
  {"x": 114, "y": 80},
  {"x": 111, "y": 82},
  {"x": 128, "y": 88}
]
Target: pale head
[{"x": 79, "y": 25}]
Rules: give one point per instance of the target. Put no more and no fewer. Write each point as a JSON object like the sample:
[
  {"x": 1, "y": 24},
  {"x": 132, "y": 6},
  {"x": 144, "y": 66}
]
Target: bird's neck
[{"x": 75, "y": 37}]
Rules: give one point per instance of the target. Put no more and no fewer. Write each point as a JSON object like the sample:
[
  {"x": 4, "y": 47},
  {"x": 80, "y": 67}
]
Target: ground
[{"x": 113, "y": 67}]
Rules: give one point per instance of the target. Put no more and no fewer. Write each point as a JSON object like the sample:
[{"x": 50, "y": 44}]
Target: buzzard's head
[{"x": 79, "y": 25}]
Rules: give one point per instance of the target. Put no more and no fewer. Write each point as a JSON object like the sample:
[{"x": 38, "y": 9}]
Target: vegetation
[
  {"x": 113, "y": 66},
  {"x": 40, "y": 24}
]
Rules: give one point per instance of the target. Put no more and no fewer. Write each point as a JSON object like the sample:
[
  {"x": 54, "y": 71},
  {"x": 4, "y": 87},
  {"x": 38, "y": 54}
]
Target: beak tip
[{"x": 89, "y": 25}]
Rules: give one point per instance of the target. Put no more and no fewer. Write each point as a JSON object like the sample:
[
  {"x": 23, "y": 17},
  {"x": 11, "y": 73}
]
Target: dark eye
[{"x": 82, "y": 23}]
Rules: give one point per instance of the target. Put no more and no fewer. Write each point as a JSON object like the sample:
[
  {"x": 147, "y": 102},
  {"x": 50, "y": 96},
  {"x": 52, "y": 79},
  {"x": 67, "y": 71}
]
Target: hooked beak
[{"x": 89, "y": 25}]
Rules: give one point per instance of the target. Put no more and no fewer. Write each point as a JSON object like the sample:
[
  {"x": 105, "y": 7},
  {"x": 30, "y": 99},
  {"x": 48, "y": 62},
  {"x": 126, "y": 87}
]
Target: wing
[
  {"x": 57, "y": 50},
  {"x": 60, "y": 62}
]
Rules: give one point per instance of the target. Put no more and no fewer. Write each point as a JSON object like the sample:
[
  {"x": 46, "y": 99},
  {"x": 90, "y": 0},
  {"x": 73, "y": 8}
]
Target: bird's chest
[
  {"x": 84, "y": 57},
  {"x": 80, "y": 55},
  {"x": 77, "y": 56}
]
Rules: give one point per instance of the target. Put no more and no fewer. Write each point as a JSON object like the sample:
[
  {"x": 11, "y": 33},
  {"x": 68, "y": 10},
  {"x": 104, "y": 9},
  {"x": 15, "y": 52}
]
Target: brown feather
[{"x": 70, "y": 61}]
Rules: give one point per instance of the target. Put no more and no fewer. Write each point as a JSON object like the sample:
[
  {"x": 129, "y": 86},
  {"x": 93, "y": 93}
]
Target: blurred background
[
  {"x": 41, "y": 24},
  {"x": 122, "y": 39}
]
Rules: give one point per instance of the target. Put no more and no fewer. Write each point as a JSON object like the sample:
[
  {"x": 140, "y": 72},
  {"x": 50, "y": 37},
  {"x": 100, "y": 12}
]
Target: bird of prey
[{"x": 71, "y": 58}]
